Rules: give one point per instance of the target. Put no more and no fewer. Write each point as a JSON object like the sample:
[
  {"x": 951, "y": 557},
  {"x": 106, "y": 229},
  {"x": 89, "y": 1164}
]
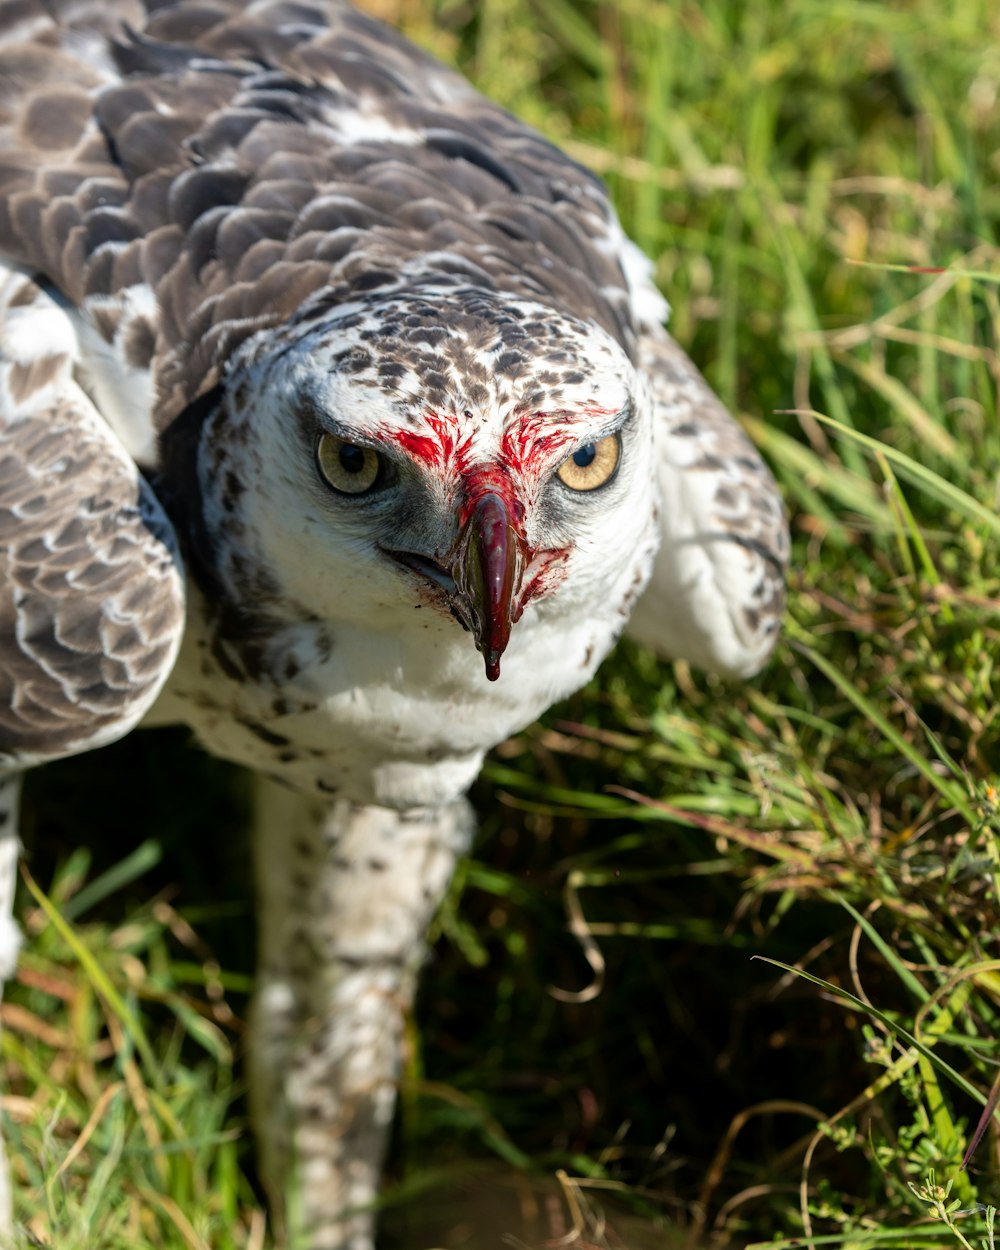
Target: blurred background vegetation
[{"x": 597, "y": 1060}]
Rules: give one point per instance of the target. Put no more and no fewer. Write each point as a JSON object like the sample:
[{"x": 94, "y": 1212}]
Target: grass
[{"x": 784, "y": 892}]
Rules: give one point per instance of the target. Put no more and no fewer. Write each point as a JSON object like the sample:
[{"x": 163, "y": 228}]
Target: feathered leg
[
  {"x": 10, "y": 941},
  {"x": 345, "y": 895}
]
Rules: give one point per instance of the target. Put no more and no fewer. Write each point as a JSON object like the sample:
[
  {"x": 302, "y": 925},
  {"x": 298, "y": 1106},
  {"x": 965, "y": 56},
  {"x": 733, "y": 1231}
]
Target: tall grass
[{"x": 605, "y": 1052}]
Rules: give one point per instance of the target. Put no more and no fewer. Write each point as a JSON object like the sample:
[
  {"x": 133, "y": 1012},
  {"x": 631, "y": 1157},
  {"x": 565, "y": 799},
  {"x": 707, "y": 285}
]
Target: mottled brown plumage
[{"x": 92, "y": 606}]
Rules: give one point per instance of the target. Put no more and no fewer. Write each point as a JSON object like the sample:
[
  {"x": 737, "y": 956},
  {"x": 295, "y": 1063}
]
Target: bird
[{"x": 339, "y": 424}]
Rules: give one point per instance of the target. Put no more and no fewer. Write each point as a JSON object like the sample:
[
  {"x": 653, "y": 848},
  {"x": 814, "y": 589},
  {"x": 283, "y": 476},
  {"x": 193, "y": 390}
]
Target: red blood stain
[
  {"x": 420, "y": 446},
  {"x": 442, "y": 448},
  {"x": 532, "y": 442},
  {"x": 530, "y": 446},
  {"x": 447, "y": 431},
  {"x": 543, "y": 575},
  {"x": 489, "y": 478}
]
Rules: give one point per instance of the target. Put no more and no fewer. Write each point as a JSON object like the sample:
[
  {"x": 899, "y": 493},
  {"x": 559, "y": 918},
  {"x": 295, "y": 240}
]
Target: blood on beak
[{"x": 489, "y": 564}]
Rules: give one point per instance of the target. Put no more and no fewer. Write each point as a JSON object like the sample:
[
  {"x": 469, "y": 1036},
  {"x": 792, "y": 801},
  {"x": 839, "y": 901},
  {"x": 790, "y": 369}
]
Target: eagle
[{"x": 338, "y": 423}]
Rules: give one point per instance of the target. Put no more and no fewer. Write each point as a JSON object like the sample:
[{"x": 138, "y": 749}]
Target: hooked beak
[{"x": 488, "y": 567}]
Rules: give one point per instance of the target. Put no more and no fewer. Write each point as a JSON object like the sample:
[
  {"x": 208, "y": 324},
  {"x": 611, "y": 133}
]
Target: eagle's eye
[
  {"x": 347, "y": 467},
  {"x": 592, "y": 465}
]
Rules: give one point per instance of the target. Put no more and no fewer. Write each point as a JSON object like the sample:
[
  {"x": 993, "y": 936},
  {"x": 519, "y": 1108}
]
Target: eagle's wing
[
  {"x": 91, "y": 594},
  {"x": 717, "y": 593},
  {"x": 716, "y": 596}
]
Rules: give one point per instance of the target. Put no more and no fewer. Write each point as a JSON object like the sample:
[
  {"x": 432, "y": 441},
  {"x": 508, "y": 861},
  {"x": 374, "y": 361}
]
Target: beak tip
[{"x": 487, "y": 569}]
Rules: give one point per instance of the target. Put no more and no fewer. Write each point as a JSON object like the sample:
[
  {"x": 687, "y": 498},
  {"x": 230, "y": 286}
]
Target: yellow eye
[
  {"x": 346, "y": 467},
  {"x": 593, "y": 465}
]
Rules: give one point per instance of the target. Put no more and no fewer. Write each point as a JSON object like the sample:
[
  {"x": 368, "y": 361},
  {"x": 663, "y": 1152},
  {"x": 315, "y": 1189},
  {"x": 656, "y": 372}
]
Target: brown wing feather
[{"x": 91, "y": 598}]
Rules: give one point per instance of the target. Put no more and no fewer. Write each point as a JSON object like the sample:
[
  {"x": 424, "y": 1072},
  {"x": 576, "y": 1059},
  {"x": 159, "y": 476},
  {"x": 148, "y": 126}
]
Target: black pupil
[
  {"x": 585, "y": 456},
  {"x": 352, "y": 459}
]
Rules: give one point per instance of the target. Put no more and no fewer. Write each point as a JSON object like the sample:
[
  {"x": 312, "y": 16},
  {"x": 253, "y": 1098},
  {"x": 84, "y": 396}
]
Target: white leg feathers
[{"x": 345, "y": 898}]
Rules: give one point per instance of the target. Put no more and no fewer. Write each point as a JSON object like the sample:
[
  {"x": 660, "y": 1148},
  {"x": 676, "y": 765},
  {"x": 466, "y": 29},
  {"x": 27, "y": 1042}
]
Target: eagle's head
[{"x": 485, "y": 457}]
